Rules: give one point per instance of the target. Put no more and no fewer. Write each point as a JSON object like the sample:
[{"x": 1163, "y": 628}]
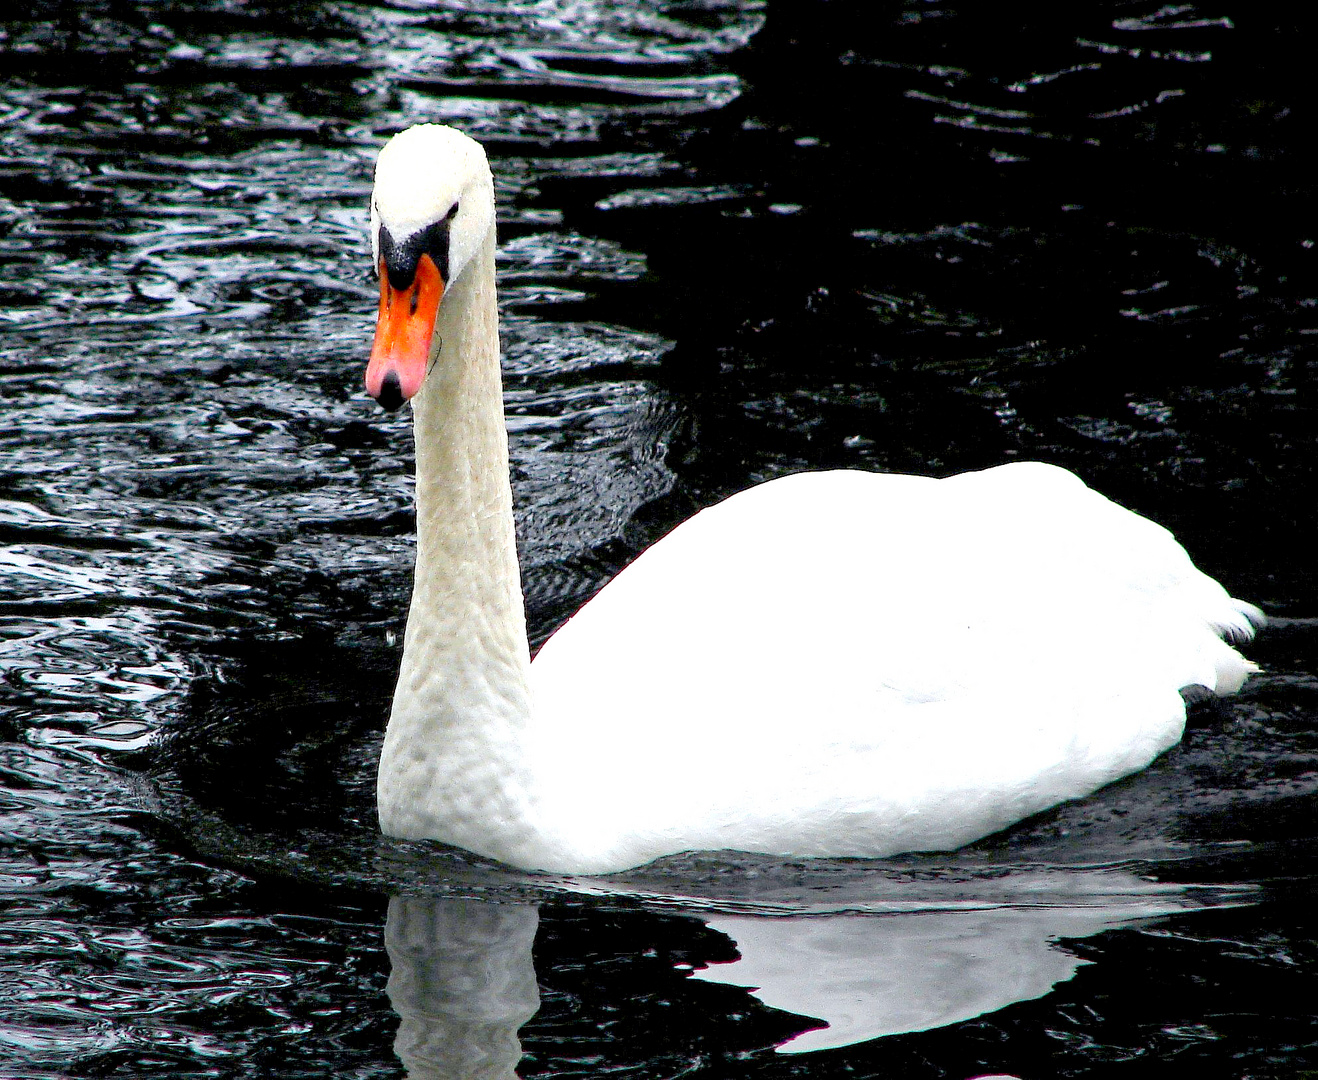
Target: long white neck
[{"x": 463, "y": 700}]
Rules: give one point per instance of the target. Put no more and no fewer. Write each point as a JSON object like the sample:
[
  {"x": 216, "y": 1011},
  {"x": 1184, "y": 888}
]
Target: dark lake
[{"x": 737, "y": 239}]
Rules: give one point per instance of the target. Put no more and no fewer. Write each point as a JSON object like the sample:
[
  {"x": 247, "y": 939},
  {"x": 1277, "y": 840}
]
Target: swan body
[{"x": 837, "y": 663}]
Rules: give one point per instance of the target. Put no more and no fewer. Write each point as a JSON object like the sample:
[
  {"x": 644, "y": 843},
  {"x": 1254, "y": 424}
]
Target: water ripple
[{"x": 736, "y": 240}]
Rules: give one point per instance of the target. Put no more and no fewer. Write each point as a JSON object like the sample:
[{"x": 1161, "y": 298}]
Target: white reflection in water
[
  {"x": 868, "y": 976},
  {"x": 462, "y": 984},
  {"x": 463, "y": 980}
]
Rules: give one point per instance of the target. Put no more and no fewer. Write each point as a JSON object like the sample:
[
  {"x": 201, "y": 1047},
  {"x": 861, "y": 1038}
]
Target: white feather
[{"x": 838, "y": 663}]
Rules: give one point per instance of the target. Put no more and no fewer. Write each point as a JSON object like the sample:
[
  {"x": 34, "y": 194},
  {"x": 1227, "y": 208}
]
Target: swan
[{"x": 835, "y": 663}]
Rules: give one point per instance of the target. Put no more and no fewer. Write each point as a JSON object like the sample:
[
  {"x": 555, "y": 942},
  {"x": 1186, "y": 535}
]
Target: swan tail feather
[
  {"x": 1244, "y": 621},
  {"x": 1236, "y": 625}
]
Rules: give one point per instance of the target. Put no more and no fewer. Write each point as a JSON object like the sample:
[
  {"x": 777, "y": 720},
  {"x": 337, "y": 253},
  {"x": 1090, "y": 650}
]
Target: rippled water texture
[{"x": 737, "y": 239}]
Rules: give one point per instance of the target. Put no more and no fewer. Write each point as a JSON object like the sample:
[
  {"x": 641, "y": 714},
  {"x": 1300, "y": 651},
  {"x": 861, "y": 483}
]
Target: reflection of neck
[
  {"x": 462, "y": 984},
  {"x": 462, "y": 699}
]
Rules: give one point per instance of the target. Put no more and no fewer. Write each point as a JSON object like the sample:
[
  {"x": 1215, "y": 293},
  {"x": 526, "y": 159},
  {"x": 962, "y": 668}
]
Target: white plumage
[{"x": 838, "y": 663}]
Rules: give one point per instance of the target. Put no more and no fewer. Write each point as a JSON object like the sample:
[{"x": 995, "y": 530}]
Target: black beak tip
[{"x": 390, "y": 396}]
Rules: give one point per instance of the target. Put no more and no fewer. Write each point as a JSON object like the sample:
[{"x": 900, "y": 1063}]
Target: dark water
[{"x": 737, "y": 240}]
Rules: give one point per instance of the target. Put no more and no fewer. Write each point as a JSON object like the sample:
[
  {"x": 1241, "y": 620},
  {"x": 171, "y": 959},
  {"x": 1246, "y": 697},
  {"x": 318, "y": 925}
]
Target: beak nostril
[{"x": 390, "y": 396}]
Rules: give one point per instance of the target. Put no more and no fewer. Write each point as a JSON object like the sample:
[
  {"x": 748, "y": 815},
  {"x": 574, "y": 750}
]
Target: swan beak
[{"x": 403, "y": 330}]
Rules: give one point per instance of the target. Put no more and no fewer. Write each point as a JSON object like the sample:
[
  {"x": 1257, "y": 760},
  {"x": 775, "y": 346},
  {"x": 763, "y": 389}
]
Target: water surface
[{"x": 736, "y": 240}]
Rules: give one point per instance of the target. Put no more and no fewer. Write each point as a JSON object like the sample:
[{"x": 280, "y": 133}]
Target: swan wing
[{"x": 861, "y": 663}]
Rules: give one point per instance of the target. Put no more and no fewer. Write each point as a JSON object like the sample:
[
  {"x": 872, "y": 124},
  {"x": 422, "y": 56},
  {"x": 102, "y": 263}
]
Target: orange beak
[{"x": 403, "y": 330}]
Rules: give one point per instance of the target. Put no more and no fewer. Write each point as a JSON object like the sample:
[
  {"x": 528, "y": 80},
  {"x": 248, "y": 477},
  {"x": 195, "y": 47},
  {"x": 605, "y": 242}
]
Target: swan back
[{"x": 851, "y": 663}]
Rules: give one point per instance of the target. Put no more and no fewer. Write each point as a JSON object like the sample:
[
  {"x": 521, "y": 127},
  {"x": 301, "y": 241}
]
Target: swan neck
[
  {"x": 467, "y": 576},
  {"x": 463, "y": 697}
]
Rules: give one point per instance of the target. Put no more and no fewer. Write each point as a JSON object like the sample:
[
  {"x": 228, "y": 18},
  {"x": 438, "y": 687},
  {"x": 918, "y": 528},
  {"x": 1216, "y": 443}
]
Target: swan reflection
[
  {"x": 462, "y": 984},
  {"x": 463, "y": 981},
  {"x": 868, "y": 976}
]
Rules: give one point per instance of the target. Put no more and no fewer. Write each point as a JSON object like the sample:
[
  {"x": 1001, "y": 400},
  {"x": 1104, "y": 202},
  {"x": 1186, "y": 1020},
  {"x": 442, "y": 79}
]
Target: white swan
[{"x": 837, "y": 663}]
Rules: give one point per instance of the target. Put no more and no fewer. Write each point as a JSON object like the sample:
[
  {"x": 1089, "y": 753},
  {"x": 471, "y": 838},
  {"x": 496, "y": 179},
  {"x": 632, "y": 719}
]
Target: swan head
[{"x": 431, "y": 208}]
